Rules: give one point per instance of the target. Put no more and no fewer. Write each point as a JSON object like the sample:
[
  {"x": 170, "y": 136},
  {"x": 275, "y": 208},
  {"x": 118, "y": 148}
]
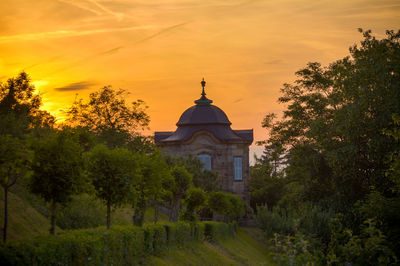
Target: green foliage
[
  {"x": 236, "y": 207},
  {"x": 215, "y": 230},
  {"x": 15, "y": 159},
  {"x": 338, "y": 141},
  {"x": 227, "y": 204},
  {"x": 57, "y": 170},
  {"x": 180, "y": 183},
  {"x": 331, "y": 131},
  {"x": 368, "y": 248},
  {"x": 293, "y": 250},
  {"x": 155, "y": 238},
  {"x": 121, "y": 245},
  {"x": 149, "y": 184},
  {"x": 84, "y": 211},
  {"x": 311, "y": 221},
  {"x": 194, "y": 200},
  {"x": 277, "y": 220},
  {"x": 112, "y": 172},
  {"x": 202, "y": 178}
]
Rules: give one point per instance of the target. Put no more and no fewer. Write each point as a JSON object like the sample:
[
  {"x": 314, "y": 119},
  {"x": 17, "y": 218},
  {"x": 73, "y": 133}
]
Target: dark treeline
[
  {"x": 328, "y": 184},
  {"x": 79, "y": 171}
]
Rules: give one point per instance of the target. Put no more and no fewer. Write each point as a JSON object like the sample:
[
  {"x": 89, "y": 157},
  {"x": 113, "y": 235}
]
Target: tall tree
[
  {"x": 14, "y": 163},
  {"x": 331, "y": 130},
  {"x": 57, "y": 170},
  {"x": 112, "y": 173},
  {"x": 108, "y": 115}
]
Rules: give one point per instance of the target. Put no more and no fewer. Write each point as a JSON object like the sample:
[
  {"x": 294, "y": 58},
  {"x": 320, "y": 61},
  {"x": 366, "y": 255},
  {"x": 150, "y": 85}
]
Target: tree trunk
[
  {"x": 5, "y": 214},
  {"x": 108, "y": 215},
  {"x": 173, "y": 217},
  {"x": 138, "y": 217},
  {"x": 155, "y": 210},
  {"x": 53, "y": 217}
]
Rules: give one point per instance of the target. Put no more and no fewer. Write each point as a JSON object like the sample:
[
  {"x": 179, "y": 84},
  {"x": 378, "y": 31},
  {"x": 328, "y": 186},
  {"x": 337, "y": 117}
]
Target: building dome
[
  {"x": 203, "y": 117},
  {"x": 203, "y": 114}
]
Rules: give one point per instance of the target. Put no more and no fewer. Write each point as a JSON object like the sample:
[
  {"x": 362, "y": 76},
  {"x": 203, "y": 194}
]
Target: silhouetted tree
[{"x": 109, "y": 116}]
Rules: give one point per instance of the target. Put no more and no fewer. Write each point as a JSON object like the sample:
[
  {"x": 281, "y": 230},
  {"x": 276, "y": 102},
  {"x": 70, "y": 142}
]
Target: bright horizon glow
[{"x": 159, "y": 50}]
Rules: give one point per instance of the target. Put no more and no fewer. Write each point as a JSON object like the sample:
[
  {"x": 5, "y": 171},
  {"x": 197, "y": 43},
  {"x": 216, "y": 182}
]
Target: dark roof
[
  {"x": 160, "y": 135},
  {"x": 203, "y": 114},
  {"x": 245, "y": 134},
  {"x": 204, "y": 117}
]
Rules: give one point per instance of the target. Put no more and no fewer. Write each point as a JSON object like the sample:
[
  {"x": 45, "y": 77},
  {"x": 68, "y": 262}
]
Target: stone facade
[{"x": 204, "y": 129}]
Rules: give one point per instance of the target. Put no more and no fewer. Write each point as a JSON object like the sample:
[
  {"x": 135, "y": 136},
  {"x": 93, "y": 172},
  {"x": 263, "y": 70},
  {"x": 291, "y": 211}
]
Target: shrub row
[{"x": 121, "y": 245}]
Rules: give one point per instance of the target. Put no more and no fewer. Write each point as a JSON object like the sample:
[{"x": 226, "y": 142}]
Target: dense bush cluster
[{"x": 121, "y": 245}]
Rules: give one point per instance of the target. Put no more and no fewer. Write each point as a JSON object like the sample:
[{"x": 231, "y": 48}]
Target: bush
[
  {"x": 155, "y": 238},
  {"x": 277, "y": 220},
  {"x": 84, "y": 211},
  {"x": 121, "y": 245},
  {"x": 227, "y": 204}
]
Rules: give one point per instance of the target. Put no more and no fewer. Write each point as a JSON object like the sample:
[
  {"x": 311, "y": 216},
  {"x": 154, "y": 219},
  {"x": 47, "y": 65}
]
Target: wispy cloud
[
  {"x": 77, "y": 86},
  {"x": 94, "y": 7},
  {"x": 118, "y": 16},
  {"x": 67, "y": 33},
  {"x": 116, "y": 49}
]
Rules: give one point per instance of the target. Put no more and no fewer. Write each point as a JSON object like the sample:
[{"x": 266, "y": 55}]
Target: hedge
[
  {"x": 121, "y": 245},
  {"x": 216, "y": 230}
]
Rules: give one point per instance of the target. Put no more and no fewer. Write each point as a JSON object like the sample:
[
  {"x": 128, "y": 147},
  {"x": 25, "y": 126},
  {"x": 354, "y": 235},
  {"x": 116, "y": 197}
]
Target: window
[
  {"x": 206, "y": 160},
  {"x": 238, "y": 168}
]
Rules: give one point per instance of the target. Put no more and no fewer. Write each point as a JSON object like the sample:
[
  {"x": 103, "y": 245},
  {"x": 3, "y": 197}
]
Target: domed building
[{"x": 204, "y": 130}]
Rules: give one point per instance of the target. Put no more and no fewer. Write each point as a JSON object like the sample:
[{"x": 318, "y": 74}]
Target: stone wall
[{"x": 222, "y": 159}]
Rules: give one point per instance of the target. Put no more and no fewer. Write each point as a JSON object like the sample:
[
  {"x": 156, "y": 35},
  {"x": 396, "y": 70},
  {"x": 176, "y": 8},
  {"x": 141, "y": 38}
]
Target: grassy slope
[
  {"x": 244, "y": 249},
  {"x": 23, "y": 220}
]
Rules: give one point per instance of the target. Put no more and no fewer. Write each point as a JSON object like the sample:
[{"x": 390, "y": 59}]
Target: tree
[
  {"x": 112, "y": 173},
  {"x": 20, "y": 107},
  {"x": 195, "y": 199},
  {"x": 226, "y": 204},
  {"x": 331, "y": 130},
  {"x": 180, "y": 183},
  {"x": 108, "y": 115},
  {"x": 149, "y": 185},
  {"x": 14, "y": 163},
  {"x": 202, "y": 178},
  {"x": 57, "y": 170},
  {"x": 333, "y": 134}
]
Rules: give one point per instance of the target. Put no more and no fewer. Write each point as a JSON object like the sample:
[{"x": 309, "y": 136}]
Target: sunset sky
[{"x": 158, "y": 50}]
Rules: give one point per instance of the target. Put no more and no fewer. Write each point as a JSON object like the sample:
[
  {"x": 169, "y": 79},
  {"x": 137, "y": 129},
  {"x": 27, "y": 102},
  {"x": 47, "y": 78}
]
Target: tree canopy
[{"x": 107, "y": 111}]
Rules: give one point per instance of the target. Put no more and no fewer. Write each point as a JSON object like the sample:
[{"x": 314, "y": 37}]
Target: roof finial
[
  {"x": 203, "y": 84},
  {"x": 203, "y": 100}
]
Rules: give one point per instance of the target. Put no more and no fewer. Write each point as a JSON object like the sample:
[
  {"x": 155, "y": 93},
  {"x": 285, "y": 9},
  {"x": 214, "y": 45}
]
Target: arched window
[{"x": 206, "y": 160}]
